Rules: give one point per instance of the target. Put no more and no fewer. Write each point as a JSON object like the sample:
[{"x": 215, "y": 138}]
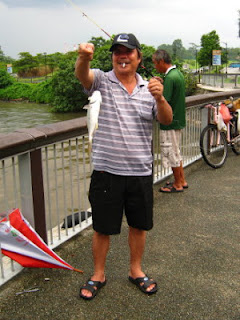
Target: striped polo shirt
[{"x": 122, "y": 144}]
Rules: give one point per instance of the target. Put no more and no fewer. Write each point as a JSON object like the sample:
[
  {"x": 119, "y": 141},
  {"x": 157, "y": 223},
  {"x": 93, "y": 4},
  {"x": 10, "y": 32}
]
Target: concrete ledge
[
  {"x": 30, "y": 139},
  {"x": 216, "y": 89}
]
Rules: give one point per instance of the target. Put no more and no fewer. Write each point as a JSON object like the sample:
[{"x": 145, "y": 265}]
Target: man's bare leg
[
  {"x": 100, "y": 247},
  {"x": 179, "y": 179},
  {"x": 136, "y": 240},
  {"x": 182, "y": 176}
]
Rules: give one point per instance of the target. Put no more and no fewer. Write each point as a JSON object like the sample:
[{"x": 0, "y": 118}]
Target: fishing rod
[
  {"x": 148, "y": 72},
  {"x": 90, "y": 19},
  {"x": 84, "y": 14}
]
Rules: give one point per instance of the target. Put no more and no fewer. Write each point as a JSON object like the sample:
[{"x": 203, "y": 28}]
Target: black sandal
[
  {"x": 93, "y": 287},
  {"x": 144, "y": 283}
]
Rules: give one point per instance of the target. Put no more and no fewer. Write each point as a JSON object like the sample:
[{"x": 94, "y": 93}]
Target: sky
[{"x": 50, "y": 26}]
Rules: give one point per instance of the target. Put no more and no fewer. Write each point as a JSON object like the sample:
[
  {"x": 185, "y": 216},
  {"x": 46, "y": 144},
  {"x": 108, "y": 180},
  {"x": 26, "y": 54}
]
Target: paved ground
[{"x": 193, "y": 252}]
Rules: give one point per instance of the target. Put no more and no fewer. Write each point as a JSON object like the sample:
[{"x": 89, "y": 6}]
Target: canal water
[{"x": 16, "y": 115}]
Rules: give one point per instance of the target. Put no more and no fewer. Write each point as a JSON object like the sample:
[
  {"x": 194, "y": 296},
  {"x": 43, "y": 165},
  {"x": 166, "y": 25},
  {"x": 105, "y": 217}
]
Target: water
[{"x": 16, "y": 115}]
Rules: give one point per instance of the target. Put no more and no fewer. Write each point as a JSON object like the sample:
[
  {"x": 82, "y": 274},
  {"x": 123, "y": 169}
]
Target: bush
[
  {"x": 42, "y": 92},
  {"x": 68, "y": 95},
  {"x": 190, "y": 83},
  {"x": 17, "y": 91},
  {"x": 5, "y": 79}
]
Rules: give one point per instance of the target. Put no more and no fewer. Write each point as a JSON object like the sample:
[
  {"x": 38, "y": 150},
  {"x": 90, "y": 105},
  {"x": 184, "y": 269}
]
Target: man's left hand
[{"x": 155, "y": 87}]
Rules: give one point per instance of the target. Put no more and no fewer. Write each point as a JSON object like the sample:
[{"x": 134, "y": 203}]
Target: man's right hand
[
  {"x": 86, "y": 51},
  {"x": 82, "y": 66}
]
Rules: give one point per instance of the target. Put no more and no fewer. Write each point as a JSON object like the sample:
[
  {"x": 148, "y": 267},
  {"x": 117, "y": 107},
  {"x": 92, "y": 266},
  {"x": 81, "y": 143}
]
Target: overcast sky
[{"x": 38, "y": 26}]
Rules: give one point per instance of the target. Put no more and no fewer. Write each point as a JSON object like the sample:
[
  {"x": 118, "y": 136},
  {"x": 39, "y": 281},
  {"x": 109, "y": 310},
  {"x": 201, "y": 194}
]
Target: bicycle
[{"x": 218, "y": 135}]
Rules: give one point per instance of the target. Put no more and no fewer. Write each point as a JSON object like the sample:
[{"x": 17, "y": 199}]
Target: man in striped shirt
[{"x": 121, "y": 155}]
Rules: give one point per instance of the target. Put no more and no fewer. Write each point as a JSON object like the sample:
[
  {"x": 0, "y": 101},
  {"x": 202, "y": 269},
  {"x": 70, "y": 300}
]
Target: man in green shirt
[{"x": 170, "y": 135}]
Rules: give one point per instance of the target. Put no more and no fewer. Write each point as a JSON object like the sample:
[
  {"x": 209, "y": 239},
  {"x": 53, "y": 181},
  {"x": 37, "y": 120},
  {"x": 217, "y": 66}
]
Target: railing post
[
  {"x": 38, "y": 194},
  {"x": 235, "y": 81},
  {"x": 26, "y": 187},
  {"x": 32, "y": 191},
  {"x": 222, "y": 77}
]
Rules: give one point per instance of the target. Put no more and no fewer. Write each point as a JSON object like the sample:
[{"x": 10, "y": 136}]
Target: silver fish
[{"x": 93, "y": 109}]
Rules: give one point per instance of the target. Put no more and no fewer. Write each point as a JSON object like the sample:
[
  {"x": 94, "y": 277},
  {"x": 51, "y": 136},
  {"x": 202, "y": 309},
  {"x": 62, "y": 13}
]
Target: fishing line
[
  {"x": 84, "y": 14},
  {"x": 90, "y": 19}
]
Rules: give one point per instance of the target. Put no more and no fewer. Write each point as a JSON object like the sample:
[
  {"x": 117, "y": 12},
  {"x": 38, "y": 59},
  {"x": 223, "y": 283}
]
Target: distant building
[{"x": 234, "y": 65}]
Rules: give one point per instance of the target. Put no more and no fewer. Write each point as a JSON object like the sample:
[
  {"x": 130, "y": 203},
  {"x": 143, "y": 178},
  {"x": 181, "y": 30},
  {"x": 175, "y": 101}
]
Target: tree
[
  {"x": 1, "y": 54},
  {"x": 177, "y": 48},
  {"x": 209, "y": 42},
  {"x": 233, "y": 53},
  {"x": 100, "y": 42},
  {"x": 26, "y": 63},
  {"x": 166, "y": 47},
  {"x": 4, "y": 59}
]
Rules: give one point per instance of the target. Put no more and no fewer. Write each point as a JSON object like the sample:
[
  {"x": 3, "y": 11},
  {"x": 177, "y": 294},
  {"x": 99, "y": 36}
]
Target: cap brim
[{"x": 122, "y": 44}]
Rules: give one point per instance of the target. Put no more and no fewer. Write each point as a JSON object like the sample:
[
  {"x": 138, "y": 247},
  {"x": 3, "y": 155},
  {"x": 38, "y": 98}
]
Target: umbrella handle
[{"x": 77, "y": 270}]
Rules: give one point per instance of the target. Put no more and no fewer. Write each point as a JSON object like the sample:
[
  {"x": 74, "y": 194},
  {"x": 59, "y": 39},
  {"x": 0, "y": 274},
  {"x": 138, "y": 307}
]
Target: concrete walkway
[{"x": 193, "y": 252}]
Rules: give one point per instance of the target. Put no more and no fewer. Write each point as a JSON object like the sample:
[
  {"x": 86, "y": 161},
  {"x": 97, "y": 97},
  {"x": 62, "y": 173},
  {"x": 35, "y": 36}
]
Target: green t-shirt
[{"x": 174, "y": 93}]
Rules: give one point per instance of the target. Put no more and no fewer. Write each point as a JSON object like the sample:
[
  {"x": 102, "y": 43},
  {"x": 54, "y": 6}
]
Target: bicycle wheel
[
  {"x": 236, "y": 145},
  {"x": 213, "y": 146}
]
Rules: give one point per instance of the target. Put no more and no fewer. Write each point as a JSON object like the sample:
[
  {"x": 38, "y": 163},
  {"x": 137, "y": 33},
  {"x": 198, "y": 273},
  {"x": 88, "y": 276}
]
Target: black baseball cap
[{"x": 127, "y": 40}]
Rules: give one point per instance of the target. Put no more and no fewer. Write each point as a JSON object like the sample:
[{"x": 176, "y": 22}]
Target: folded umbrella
[{"x": 20, "y": 242}]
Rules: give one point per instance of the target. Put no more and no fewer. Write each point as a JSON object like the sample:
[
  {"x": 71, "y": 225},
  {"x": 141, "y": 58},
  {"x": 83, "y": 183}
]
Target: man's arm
[
  {"x": 82, "y": 66},
  {"x": 164, "y": 110}
]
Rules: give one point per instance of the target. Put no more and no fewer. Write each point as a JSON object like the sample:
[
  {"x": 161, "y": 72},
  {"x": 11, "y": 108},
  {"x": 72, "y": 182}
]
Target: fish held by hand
[{"x": 93, "y": 109}]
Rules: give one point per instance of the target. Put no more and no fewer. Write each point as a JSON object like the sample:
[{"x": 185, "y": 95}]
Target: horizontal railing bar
[
  {"x": 25, "y": 140},
  {"x": 208, "y": 97}
]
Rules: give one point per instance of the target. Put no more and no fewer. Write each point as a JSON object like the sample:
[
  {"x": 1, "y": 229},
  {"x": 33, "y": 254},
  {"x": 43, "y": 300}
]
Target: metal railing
[
  {"x": 45, "y": 171},
  {"x": 221, "y": 80}
]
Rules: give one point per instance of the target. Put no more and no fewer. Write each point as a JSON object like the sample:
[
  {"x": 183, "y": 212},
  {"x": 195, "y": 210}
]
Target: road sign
[{"x": 216, "y": 57}]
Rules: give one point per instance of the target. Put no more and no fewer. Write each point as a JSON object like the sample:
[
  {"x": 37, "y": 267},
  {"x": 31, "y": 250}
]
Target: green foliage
[
  {"x": 26, "y": 63},
  {"x": 17, "y": 91},
  {"x": 5, "y": 79},
  {"x": 190, "y": 83},
  {"x": 102, "y": 58},
  {"x": 102, "y": 55},
  {"x": 233, "y": 54},
  {"x": 100, "y": 42},
  {"x": 67, "y": 92},
  {"x": 42, "y": 92},
  {"x": 53, "y": 60},
  {"x": 4, "y": 58},
  {"x": 2, "y": 65},
  {"x": 147, "y": 52},
  {"x": 1, "y": 55},
  {"x": 177, "y": 48},
  {"x": 177, "y": 51},
  {"x": 167, "y": 47}
]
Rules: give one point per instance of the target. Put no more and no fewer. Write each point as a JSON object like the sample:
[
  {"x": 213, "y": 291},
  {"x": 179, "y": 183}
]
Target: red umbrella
[{"x": 20, "y": 242}]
